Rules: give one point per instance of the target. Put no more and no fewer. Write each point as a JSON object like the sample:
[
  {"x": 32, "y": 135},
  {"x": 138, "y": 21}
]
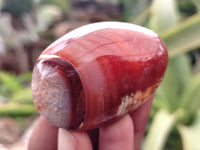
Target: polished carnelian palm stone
[{"x": 97, "y": 73}]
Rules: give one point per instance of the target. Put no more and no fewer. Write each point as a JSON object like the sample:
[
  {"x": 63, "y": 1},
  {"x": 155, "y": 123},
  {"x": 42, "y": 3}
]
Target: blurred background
[{"x": 27, "y": 27}]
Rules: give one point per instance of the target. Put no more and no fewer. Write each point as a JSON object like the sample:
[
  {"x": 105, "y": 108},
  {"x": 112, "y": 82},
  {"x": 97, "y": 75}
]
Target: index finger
[{"x": 140, "y": 118}]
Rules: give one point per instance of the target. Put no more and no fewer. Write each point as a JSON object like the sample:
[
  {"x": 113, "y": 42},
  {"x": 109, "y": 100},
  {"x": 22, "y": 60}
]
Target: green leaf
[
  {"x": 161, "y": 101},
  {"x": 197, "y": 4},
  {"x": 184, "y": 37},
  {"x": 191, "y": 134},
  {"x": 191, "y": 95},
  {"x": 16, "y": 110},
  {"x": 63, "y": 5},
  {"x": 1, "y": 3},
  {"x": 9, "y": 83},
  {"x": 163, "y": 15},
  {"x": 24, "y": 96},
  {"x": 159, "y": 130},
  {"x": 141, "y": 18},
  {"x": 132, "y": 8},
  {"x": 174, "y": 81},
  {"x": 181, "y": 69},
  {"x": 186, "y": 7},
  {"x": 25, "y": 77},
  {"x": 46, "y": 14}
]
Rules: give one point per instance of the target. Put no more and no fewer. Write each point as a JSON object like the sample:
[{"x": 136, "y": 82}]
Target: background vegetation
[{"x": 28, "y": 26}]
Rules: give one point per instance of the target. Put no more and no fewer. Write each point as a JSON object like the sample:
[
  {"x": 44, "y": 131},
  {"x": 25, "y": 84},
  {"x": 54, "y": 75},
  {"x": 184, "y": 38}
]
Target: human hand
[{"x": 124, "y": 134}]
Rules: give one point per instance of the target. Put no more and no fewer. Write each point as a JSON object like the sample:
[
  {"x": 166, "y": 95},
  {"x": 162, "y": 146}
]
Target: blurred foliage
[
  {"x": 17, "y": 8},
  {"x": 190, "y": 134},
  {"x": 187, "y": 7},
  {"x": 9, "y": 84},
  {"x": 133, "y": 8},
  {"x": 197, "y": 4},
  {"x": 46, "y": 15},
  {"x": 17, "y": 110},
  {"x": 22, "y": 97},
  {"x": 62, "y": 4},
  {"x": 17, "y": 94},
  {"x": 183, "y": 37},
  {"x": 160, "y": 10}
]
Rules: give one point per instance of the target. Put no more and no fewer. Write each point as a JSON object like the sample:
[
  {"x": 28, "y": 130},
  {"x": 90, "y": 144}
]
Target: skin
[{"x": 124, "y": 134}]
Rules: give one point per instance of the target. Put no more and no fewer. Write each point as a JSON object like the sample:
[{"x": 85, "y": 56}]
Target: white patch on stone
[
  {"x": 132, "y": 101},
  {"x": 128, "y": 103},
  {"x": 51, "y": 95}
]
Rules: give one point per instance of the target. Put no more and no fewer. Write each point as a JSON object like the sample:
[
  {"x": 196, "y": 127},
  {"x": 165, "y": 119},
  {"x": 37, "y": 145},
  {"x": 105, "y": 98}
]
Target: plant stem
[
  {"x": 17, "y": 110},
  {"x": 159, "y": 131}
]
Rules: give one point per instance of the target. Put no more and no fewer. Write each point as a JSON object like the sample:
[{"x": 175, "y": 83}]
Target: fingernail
[{"x": 66, "y": 140}]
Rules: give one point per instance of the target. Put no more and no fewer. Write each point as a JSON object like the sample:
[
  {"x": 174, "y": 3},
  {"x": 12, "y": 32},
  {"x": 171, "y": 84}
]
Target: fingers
[
  {"x": 94, "y": 137},
  {"x": 140, "y": 117},
  {"x": 44, "y": 136},
  {"x": 73, "y": 140},
  {"x": 126, "y": 133},
  {"x": 117, "y": 136}
]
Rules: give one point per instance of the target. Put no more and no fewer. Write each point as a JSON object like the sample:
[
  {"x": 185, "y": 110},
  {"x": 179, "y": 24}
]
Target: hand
[{"x": 124, "y": 134}]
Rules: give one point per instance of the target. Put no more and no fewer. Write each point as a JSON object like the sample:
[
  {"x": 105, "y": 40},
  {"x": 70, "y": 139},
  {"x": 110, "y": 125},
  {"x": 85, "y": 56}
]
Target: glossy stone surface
[{"x": 108, "y": 68}]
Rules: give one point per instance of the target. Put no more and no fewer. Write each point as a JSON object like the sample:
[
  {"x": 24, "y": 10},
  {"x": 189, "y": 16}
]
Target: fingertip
[
  {"x": 117, "y": 136},
  {"x": 73, "y": 140},
  {"x": 140, "y": 118},
  {"x": 66, "y": 140}
]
